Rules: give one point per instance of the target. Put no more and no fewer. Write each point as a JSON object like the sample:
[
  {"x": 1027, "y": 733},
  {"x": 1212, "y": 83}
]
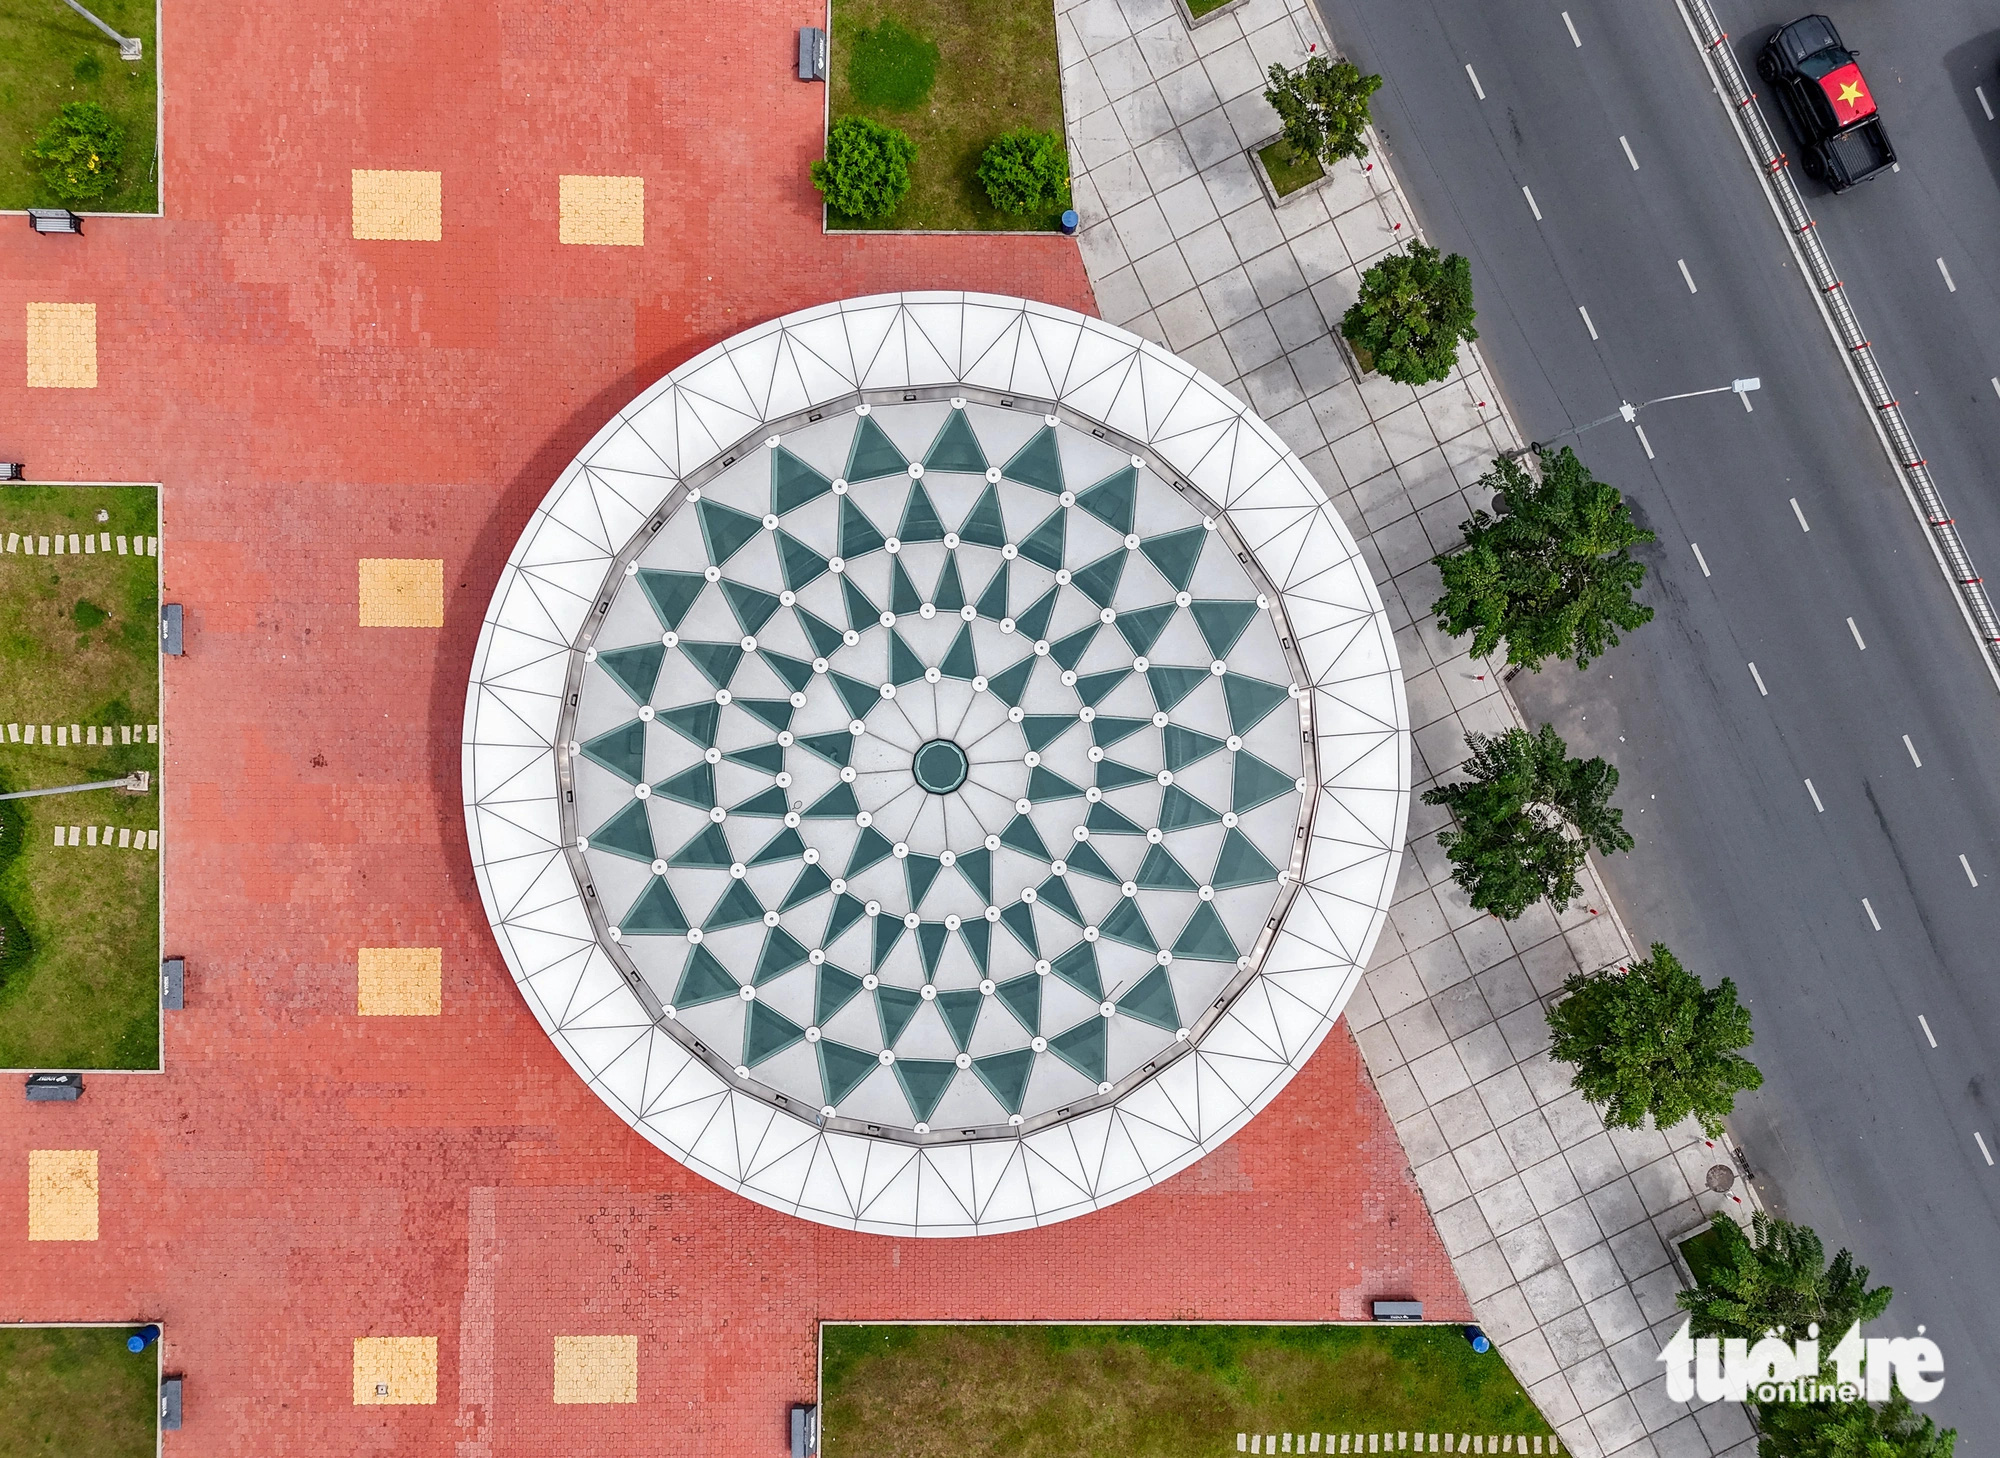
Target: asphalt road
[{"x": 1863, "y": 1129}]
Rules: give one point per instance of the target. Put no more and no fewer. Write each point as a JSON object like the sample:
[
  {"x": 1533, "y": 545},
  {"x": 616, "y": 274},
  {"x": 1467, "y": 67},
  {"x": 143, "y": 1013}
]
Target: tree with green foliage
[
  {"x": 866, "y": 170},
  {"x": 1553, "y": 576},
  {"x": 1777, "y": 1278},
  {"x": 1527, "y": 817},
  {"x": 1415, "y": 308},
  {"x": 1653, "y": 1040},
  {"x": 1893, "y": 1429},
  {"x": 78, "y": 152},
  {"x": 1323, "y": 106},
  {"x": 1026, "y": 171}
]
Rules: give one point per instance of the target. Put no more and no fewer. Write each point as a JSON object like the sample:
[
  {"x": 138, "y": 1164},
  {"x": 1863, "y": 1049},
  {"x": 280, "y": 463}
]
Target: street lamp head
[{"x": 1744, "y": 387}]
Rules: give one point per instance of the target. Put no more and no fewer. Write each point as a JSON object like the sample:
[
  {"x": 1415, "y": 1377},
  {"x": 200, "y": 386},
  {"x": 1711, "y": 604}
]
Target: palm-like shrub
[
  {"x": 866, "y": 170},
  {"x": 1026, "y": 172}
]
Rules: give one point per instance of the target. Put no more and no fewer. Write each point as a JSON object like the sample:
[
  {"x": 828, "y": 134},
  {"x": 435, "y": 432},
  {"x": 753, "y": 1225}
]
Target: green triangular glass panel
[
  {"x": 921, "y": 522},
  {"x": 737, "y": 906},
  {"x": 977, "y": 934},
  {"x": 670, "y": 593},
  {"x": 1082, "y": 1048},
  {"x": 903, "y": 595},
  {"x": 1161, "y": 872},
  {"x": 1176, "y": 553},
  {"x": 835, "y": 989},
  {"x": 781, "y": 953},
  {"x": 1205, "y": 938},
  {"x": 1093, "y": 687},
  {"x": 862, "y": 614},
  {"x": 1099, "y": 581},
  {"x": 1112, "y": 499},
  {"x": 1022, "y": 836},
  {"x": 725, "y": 529},
  {"x": 1256, "y": 783},
  {"x": 1038, "y": 463},
  {"x": 1179, "y": 810},
  {"x": 847, "y": 910},
  {"x": 858, "y": 696},
  {"x": 842, "y": 1068},
  {"x": 796, "y": 672},
  {"x": 1010, "y": 683},
  {"x": 703, "y": 979},
  {"x": 753, "y": 606},
  {"x": 1023, "y": 998},
  {"x": 800, "y": 563},
  {"x": 813, "y": 881},
  {"x": 960, "y": 1011},
  {"x": 871, "y": 848},
  {"x": 1044, "y": 784},
  {"x": 694, "y": 721},
  {"x": 694, "y": 786},
  {"x": 1103, "y": 820},
  {"x": 769, "y": 803},
  {"x": 1111, "y": 775},
  {"x": 655, "y": 913},
  {"x": 717, "y": 661},
  {"x": 1044, "y": 545},
  {"x": 1042, "y": 730},
  {"x": 924, "y": 1081},
  {"x": 837, "y": 803},
  {"x": 949, "y": 595},
  {"x": 824, "y": 636},
  {"x": 956, "y": 448},
  {"x": 1054, "y": 893},
  {"x": 904, "y": 665},
  {"x": 1182, "y": 746},
  {"x": 858, "y": 535},
  {"x": 1240, "y": 863},
  {"x": 920, "y": 872},
  {"x": 1020, "y": 920},
  {"x": 977, "y": 868},
  {"x": 786, "y": 845},
  {"x": 888, "y": 931},
  {"x": 635, "y": 670},
  {"x": 706, "y": 849},
  {"x": 895, "y": 1006},
  {"x": 1083, "y": 860},
  {"x": 1069, "y": 652},
  {"x": 1171, "y": 684},
  {"x": 984, "y": 526},
  {"x": 1078, "y": 967},
  {"x": 1222, "y": 623},
  {"x": 767, "y": 1033},
  {"x": 621, "y": 750},
  {"x": 835, "y": 748},
  {"x": 992, "y": 604},
  {"x": 628, "y": 833},
  {"x": 769, "y": 758},
  {"x": 1106, "y": 731},
  {"x": 1143, "y": 626},
  {"x": 931, "y": 937},
  {"x": 1006, "y": 1076},
  {"x": 1152, "y": 1001},
  {"x": 1126, "y": 923},
  {"x": 1250, "y": 699},
  {"x": 793, "y": 482},
  {"x": 961, "y": 662},
  {"x": 1034, "y": 623},
  {"x": 775, "y": 712},
  {"x": 873, "y": 454}
]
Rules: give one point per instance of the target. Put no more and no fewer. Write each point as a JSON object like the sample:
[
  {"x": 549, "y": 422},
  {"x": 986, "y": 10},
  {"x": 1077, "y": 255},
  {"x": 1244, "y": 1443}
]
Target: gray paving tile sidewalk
[{"x": 1557, "y": 1227}]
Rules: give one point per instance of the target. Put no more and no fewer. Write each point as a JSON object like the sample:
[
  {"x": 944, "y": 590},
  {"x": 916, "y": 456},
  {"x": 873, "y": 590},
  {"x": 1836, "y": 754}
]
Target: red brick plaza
[{"x": 302, "y": 1176}]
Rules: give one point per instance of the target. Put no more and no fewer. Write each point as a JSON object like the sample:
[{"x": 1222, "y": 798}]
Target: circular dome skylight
[{"x": 927, "y": 787}]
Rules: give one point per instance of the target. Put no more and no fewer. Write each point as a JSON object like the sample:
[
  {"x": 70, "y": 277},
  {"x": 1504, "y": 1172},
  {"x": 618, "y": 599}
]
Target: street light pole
[
  {"x": 130, "y": 47},
  {"x": 1629, "y": 413},
  {"x": 136, "y": 783}
]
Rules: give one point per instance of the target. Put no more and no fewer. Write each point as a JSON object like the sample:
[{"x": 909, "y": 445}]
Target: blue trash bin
[
  {"x": 141, "y": 1339},
  {"x": 1070, "y": 221},
  {"x": 1478, "y": 1339}
]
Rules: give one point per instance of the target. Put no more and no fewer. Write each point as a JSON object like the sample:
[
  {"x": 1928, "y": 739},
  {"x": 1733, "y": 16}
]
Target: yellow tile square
[
  {"x": 597, "y": 1369},
  {"x": 609, "y": 210},
  {"x": 62, "y": 1194},
  {"x": 395, "y": 1371},
  {"x": 62, "y": 346},
  {"x": 400, "y": 982},
  {"x": 402, "y": 592},
  {"x": 399, "y": 205}
]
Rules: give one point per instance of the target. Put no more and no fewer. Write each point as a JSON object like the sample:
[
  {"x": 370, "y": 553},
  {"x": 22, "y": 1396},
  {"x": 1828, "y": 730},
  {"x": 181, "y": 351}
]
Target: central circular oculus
[{"x": 940, "y": 766}]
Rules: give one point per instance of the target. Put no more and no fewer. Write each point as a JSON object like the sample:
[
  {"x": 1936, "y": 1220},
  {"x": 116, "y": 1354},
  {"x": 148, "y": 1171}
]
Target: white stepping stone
[
  {"x": 90, "y": 546},
  {"x": 121, "y": 546},
  {"x": 152, "y": 840},
  {"x": 124, "y": 838},
  {"x": 45, "y": 546},
  {"x": 90, "y": 835},
  {"x": 152, "y": 546},
  {"x": 104, "y": 541},
  {"x": 76, "y": 835},
  {"x": 152, "y": 733}
]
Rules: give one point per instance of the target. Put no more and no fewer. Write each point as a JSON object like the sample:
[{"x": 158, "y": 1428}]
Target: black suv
[{"x": 1829, "y": 106}]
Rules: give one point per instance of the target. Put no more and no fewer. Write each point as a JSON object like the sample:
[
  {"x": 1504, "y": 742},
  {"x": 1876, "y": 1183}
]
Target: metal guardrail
[{"x": 1742, "y": 100}]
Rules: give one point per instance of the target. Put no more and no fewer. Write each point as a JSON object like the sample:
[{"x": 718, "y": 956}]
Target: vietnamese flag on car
[{"x": 1848, "y": 93}]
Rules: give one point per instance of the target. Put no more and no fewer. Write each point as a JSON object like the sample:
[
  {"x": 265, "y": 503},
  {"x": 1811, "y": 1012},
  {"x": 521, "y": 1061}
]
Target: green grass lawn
[
  {"x": 1288, "y": 171},
  {"x": 992, "y": 69},
  {"x": 1136, "y": 1391},
  {"x": 1705, "y": 1253},
  {"x": 79, "y": 644},
  {"x": 1199, "y": 8},
  {"x": 75, "y": 1392},
  {"x": 50, "y": 55}
]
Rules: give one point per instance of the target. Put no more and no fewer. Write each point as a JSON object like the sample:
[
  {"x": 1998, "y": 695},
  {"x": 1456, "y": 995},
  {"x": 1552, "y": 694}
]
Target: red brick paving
[{"x": 301, "y": 1176}]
